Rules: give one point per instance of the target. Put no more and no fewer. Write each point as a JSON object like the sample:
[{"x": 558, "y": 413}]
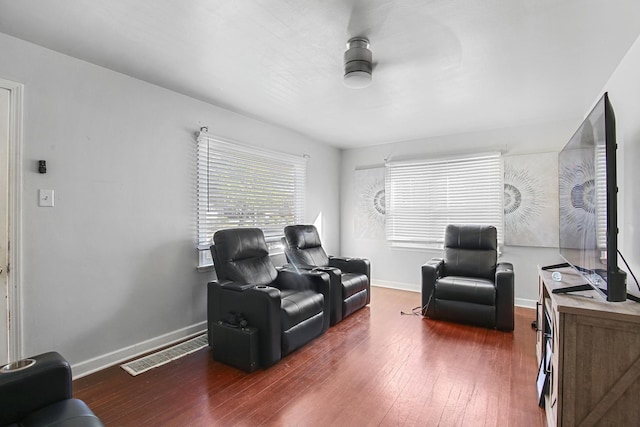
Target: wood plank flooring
[{"x": 375, "y": 368}]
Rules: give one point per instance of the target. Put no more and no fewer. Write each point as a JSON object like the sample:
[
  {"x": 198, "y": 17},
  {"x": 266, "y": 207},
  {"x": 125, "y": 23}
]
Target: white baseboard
[
  {"x": 104, "y": 361},
  {"x": 519, "y": 302},
  {"x": 526, "y": 303},
  {"x": 396, "y": 285}
]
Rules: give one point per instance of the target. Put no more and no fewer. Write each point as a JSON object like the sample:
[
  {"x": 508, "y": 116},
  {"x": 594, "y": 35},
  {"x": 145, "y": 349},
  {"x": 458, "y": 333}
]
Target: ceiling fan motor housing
[{"x": 357, "y": 63}]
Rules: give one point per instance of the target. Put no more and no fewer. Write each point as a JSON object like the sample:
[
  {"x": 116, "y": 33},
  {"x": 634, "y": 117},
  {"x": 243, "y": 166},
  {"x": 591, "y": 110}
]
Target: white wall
[
  {"x": 111, "y": 269},
  {"x": 624, "y": 93},
  {"x": 400, "y": 267}
]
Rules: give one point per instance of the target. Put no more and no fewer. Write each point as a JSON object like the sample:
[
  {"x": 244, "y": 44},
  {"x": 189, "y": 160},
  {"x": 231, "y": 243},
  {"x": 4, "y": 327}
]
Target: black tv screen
[{"x": 588, "y": 202}]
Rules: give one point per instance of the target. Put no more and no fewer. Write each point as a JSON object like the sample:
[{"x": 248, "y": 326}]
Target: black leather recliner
[
  {"x": 350, "y": 277},
  {"x": 41, "y": 395},
  {"x": 288, "y": 308},
  {"x": 468, "y": 285}
]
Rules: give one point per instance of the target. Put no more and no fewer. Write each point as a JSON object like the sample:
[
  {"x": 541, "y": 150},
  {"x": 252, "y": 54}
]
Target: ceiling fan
[
  {"x": 366, "y": 17},
  {"x": 405, "y": 37},
  {"x": 358, "y": 65}
]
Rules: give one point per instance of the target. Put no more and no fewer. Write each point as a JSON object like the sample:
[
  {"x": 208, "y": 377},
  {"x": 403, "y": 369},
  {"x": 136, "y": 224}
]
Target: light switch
[{"x": 45, "y": 198}]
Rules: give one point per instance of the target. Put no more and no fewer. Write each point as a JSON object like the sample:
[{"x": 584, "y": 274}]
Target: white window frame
[
  {"x": 422, "y": 197},
  {"x": 246, "y": 186}
]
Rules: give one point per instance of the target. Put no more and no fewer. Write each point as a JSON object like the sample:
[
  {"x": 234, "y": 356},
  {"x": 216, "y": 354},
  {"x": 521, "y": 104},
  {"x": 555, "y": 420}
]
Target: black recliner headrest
[
  {"x": 471, "y": 237},
  {"x": 236, "y": 244},
  {"x": 302, "y": 236},
  {"x": 242, "y": 255}
]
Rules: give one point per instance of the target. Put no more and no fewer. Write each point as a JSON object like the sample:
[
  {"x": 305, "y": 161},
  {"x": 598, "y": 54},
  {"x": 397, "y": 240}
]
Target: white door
[{"x": 4, "y": 225}]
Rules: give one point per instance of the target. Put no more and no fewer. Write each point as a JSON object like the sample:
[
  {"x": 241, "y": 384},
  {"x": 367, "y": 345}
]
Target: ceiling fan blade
[
  {"x": 433, "y": 47},
  {"x": 367, "y": 17}
]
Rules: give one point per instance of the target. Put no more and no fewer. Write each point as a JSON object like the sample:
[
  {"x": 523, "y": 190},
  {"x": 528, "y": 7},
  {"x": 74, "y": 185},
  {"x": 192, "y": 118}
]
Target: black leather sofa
[
  {"x": 41, "y": 395},
  {"x": 350, "y": 277},
  {"x": 468, "y": 285},
  {"x": 287, "y": 307}
]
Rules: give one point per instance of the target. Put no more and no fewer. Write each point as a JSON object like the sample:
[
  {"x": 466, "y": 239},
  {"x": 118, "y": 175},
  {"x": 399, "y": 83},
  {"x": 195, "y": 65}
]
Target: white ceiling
[{"x": 443, "y": 66}]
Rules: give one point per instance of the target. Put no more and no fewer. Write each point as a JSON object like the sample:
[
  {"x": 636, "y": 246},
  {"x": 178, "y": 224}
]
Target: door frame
[{"x": 14, "y": 270}]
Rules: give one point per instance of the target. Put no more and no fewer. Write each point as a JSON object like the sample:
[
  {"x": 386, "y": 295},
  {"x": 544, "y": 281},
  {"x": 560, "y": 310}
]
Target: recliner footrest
[
  {"x": 352, "y": 283},
  {"x": 468, "y": 289},
  {"x": 298, "y": 306},
  {"x": 354, "y": 303}
]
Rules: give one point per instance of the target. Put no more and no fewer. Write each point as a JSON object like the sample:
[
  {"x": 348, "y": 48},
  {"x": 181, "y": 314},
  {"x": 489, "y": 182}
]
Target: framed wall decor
[
  {"x": 370, "y": 203},
  {"x": 531, "y": 200}
]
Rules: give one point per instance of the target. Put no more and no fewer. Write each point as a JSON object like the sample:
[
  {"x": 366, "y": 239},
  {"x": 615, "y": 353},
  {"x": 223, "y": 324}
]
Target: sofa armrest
[
  {"x": 351, "y": 265},
  {"x": 431, "y": 272},
  {"x": 505, "y": 278},
  {"x": 260, "y": 306},
  {"x": 25, "y": 391}
]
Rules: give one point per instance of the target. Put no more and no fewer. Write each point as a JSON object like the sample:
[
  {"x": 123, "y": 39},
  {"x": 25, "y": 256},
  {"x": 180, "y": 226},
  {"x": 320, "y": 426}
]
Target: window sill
[{"x": 205, "y": 268}]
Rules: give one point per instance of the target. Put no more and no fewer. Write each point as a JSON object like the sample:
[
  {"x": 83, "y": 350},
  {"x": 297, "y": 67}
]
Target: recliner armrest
[
  {"x": 431, "y": 271},
  {"x": 260, "y": 306},
  {"x": 25, "y": 391},
  {"x": 236, "y": 286},
  {"x": 291, "y": 278},
  {"x": 335, "y": 276},
  {"x": 351, "y": 265},
  {"x": 297, "y": 267},
  {"x": 331, "y": 270},
  {"x": 505, "y": 296},
  {"x": 504, "y": 277}
]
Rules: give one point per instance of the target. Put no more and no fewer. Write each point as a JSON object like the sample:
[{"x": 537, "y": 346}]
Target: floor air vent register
[{"x": 162, "y": 357}]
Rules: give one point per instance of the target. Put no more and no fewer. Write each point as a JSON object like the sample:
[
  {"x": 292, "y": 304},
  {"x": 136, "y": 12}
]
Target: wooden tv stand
[{"x": 594, "y": 351}]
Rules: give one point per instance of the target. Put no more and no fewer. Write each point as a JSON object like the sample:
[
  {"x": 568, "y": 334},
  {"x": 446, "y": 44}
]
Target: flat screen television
[{"x": 588, "y": 204}]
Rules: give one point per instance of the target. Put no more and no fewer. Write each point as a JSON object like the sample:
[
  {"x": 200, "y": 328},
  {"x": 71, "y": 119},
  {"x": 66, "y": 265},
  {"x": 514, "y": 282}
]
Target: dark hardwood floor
[{"x": 375, "y": 368}]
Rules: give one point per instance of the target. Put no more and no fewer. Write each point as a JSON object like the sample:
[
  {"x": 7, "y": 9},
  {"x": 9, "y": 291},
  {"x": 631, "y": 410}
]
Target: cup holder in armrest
[
  {"x": 269, "y": 290},
  {"x": 18, "y": 365}
]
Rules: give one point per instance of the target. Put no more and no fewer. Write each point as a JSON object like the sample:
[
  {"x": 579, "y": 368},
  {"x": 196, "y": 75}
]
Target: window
[
  {"x": 242, "y": 186},
  {"x": 422, "y": 197}
]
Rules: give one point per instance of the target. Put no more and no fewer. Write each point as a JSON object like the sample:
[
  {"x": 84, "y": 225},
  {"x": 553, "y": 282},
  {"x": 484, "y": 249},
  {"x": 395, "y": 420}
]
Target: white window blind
[
  {"x": 422, "y": 197},
  {"x": 242, "y": 186}
]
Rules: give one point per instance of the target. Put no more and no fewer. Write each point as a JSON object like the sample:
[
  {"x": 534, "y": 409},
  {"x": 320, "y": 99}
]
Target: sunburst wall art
[
  {"x": 578, "y": 200},
  {"x": 370, "y": 208},
  {"x": 531, "y": 200}
]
